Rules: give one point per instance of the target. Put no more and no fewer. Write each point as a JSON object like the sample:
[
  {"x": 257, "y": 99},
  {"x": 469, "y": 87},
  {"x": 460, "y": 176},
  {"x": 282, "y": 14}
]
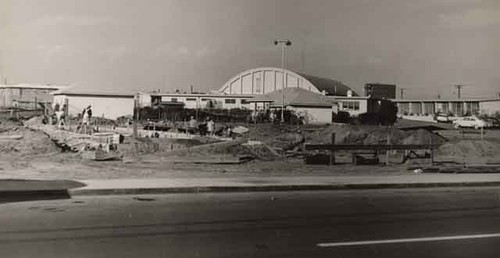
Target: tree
[{"x": 388, "y": 112}]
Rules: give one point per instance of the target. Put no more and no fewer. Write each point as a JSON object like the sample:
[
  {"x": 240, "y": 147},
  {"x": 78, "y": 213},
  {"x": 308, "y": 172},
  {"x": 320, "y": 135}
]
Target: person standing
[
  {"x": 272, "y": 117},
  {"x": 89, "y": 113},
  {"x": 89, "y": 116},
  {"x": 85, "y": 120},
  {"x": 193, "y": 125},
  {"x": 210, "y": 127},
  {"x": 59, "y": 118}
]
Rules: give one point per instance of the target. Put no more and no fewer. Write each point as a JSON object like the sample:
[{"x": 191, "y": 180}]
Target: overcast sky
[{"x": 422, "y": 45}]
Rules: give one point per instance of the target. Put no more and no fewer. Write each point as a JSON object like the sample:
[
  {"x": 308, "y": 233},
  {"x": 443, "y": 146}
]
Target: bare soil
[{"x": 35, "y": 156}]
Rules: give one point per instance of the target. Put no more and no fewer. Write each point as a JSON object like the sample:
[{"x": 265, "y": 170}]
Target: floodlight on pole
[
  {"x": 459, "y": 89},
  {"x": 284, "y": 43}
]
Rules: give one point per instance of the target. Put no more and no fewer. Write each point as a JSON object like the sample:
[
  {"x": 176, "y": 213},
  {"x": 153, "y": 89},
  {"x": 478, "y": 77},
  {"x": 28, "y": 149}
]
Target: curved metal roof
[
  {"x": 252, "y": 82},
  {"x": 330, "y": 86}
]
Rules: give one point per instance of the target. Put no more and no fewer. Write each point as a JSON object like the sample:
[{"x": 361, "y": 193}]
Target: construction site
[
  {"x": 315, "y": 126},
  {"x": 33, "y": 147}
]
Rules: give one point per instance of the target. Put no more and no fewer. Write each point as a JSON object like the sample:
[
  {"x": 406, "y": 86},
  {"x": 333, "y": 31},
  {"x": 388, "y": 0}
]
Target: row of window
[
  {"x": 350, "y": 105},
  {"x": 226, "y": 101}
]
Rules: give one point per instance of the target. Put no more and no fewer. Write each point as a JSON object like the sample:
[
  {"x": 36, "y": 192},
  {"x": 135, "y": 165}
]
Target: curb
[
  {"x": 33, "y": 195},
  {"x": 272, "y": 188}
]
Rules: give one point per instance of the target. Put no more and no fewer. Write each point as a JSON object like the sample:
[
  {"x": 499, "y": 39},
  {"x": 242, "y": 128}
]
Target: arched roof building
[{"x": 264, "y": 80}]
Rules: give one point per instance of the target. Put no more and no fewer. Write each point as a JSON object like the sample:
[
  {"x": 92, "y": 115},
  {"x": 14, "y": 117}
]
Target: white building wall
[
  {"x": 489, "y": 107},
  {"x": 109, "y": 107},
  {"x": 144, "y": 99}
]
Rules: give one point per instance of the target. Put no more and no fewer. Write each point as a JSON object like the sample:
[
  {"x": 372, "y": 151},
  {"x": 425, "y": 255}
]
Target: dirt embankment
[
  {"x": 356, "y": 134},
  {"x": 470, "y": 152},
  {"x": 8, "y": 125},
  {"x": 281, "y": 137},
  {"x": 31, "y": 143},
  {"x": 20, "y": 147}
]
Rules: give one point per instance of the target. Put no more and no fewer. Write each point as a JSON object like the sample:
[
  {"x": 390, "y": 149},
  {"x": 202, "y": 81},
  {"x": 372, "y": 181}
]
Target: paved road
[{"x": 369, "y": 223}]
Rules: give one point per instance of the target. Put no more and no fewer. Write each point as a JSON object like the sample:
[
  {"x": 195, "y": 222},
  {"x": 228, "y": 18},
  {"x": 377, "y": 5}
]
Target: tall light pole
[
  {"x": 284, "y": 43},
  {"x": 459, "y": 88},
  {"x": 402, "y": 92}
]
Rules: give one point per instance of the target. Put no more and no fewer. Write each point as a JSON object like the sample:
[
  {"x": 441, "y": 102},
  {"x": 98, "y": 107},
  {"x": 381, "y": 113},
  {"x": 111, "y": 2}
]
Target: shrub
[{"x": 341, "y": 117}]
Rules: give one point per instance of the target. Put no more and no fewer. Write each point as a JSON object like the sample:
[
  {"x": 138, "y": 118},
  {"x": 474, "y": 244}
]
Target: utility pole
[
  {"x": 283, "y": 43},
  {"x": 136, "y": 115}
]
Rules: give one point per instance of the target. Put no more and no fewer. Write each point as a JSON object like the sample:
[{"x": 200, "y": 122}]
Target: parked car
[
  {"x": 442, "y": 118},
  {"x": 472, "y": 122},
  {"x": 495, "y": 123}
]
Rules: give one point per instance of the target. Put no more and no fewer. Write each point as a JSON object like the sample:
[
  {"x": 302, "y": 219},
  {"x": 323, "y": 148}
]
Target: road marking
[{"x": 408, "y": 240}]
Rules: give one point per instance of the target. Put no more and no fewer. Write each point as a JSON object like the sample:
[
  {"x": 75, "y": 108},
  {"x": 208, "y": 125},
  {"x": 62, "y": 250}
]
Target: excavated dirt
[
  {"x": 36, "y": 153},
  {"x": 277, "y": 136},
  {"x": 470, "y": 151},
  {"x": 356, "y": 134},
  {"x": 32, "y": 143},
  {"x": 8, "y": 125}
]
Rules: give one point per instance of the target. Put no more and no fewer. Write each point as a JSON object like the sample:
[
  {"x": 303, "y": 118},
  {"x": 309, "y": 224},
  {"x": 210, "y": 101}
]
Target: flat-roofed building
[
  {"x": 109, "y": 105},
  {"x": 26, "y": 95},
  {"x": 456, "y": 107},
  {"x": 204, "y": 100}
]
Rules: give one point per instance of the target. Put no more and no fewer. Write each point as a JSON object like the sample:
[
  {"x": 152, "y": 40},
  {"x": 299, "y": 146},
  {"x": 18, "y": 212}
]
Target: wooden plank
[
  {"x": 11, "y": 137},
  {"x": 370, "y": 146}
]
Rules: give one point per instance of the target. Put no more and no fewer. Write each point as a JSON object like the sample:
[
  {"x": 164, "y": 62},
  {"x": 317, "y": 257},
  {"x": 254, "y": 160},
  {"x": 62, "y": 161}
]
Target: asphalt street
[{"x": 446, "y": 222}]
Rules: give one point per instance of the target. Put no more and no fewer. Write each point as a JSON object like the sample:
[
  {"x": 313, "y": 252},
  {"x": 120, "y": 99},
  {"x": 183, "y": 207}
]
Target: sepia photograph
[{"x": 249, "y": 128}]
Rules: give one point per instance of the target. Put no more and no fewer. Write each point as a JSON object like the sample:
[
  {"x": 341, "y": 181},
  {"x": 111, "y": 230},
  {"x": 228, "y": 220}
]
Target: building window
[
  {"x": 203, "y": 99},
  {"x": 350, "y": 105},
  {"x": 245, "y": 101},
  {"x": 230, "y": 101},
  {"x": 173, "y": 99},
  {"x": 190, "y": 99}
]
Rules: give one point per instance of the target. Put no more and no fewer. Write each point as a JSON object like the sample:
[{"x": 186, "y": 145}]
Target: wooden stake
[
  {"x": 387, "y": 152},
  {"x": 332, "y": 152}
]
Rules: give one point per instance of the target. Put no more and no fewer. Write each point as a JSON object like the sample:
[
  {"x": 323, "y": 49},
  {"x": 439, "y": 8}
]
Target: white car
[
  {"x": 471, "y": 121},
  {"x": 442, "y": 118}
]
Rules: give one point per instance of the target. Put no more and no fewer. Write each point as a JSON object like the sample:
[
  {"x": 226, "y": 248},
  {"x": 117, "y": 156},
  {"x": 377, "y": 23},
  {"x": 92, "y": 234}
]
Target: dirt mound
[
  {"x": 276, "y": 136},
  {"x": 32, "y": 143},
  {"x": 225, "y": 149},
  {"x": 470, "y": 151},
  {"x": 260, "y": 151},
  {"x": 9, "y": 124},
  {"x": 37, "y": 120},
  {"x": 360, "y": 134},
  {"x": 422, "y": 136}
]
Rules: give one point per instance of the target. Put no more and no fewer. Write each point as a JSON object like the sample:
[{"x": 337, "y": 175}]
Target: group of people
[
  {"x": 205, "y": 128},
  {"x": 261, "y": 116},
  {"x": 60, "y": 117},
  {"x": 85, "y": 116}
]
